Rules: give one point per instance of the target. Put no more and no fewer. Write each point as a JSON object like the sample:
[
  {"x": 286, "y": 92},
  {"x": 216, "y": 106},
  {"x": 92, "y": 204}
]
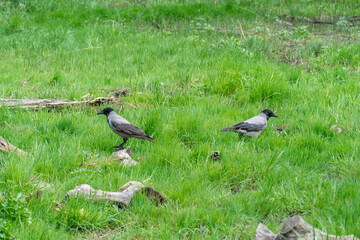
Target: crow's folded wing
[
  {"x": 249, "y": 127},
  {"x": 129, "y": 129}
]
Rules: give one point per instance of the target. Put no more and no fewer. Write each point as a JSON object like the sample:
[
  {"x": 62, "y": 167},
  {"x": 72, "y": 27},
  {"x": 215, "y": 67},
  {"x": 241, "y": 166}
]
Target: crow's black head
[
  {"x": 106, "y": 111},
  {"x": 269, "y": 113}
]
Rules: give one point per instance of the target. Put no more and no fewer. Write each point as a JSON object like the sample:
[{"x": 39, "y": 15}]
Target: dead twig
[
  {"x": 168, "y": 161},
  {"x": 242, "y": 32},
  {"x": 88, "y": 48}
]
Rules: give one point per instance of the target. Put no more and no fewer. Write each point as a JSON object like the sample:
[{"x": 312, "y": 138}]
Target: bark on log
[
  {"x": 121, "y": 198},
  {"x": 53, "y": 103},
  {"x": 297, "y": 229},
  {"x": 5, "y": 146}
]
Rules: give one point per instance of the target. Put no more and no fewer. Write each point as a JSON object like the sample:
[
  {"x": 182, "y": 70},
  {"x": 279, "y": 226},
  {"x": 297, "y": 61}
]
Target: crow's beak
[
  {"x": 274, "y": 115},
  {"x": 101, "y": 112}
]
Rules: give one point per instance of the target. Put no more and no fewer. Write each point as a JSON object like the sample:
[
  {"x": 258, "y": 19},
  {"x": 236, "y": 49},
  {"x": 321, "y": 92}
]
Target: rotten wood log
[
  {"x": 297, "y": 229},
  {"x": 124, "y": 157},
  {"x": 53, "y": 103},
  {"x": 5, "y": 146},
  {"x": 121, "y": 198}
]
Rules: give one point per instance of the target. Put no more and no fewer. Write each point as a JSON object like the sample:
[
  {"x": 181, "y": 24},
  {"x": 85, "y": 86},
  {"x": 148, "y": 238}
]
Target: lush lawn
[{"x": 191, "y": 73}]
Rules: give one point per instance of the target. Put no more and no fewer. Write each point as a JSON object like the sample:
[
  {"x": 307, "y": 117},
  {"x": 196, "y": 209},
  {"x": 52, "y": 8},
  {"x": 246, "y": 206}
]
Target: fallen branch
[
  {"x": 121, "y": 198},
  {"x": 53, "y": 103},
  {"x": 5, "y": 146},
  {"x": 296, "y": 229}
]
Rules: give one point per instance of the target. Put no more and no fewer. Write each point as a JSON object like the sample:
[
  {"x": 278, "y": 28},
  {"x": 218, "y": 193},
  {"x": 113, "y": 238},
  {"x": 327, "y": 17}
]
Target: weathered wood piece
[
  {"x": 124, "y": 157},
  {"x": 121, "y": 198},
  {"x": 297, "y": 229},
  {"x": 54, "y": 103},
  {"x": 5, "y": 146},
  {"x": 263, "y": 233}
]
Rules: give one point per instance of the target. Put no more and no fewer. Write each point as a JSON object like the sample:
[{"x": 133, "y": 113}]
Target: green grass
[{"x": 191, "y": 73}]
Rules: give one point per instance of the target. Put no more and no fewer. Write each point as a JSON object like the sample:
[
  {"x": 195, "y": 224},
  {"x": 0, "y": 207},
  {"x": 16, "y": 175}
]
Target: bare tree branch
[{"x": 121, "y": 198}]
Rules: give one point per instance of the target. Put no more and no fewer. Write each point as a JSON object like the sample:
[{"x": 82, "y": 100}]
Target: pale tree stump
[
  {"x": 297, "y": 229},
  {"x": 121, "y": 198}
]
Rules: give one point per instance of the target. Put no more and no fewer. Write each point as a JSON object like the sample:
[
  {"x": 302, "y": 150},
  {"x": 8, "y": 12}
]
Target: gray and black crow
[
  {"x": 123, "y": 128},
  {"x": 253, "y": 126}
]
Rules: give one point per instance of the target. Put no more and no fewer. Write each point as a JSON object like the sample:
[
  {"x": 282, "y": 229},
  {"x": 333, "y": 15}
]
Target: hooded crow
[
  {"x": 123, "y": 128},
  {"x": 253, "y": 126}
]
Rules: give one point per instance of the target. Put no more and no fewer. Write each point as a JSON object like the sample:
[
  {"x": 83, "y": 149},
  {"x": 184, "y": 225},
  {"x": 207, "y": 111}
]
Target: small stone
[{"x": 215, "y": 155}]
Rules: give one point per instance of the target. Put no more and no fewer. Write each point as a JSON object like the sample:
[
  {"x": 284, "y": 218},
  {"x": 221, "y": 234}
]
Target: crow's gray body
[
  {"x": 253, "y": 126},
  {"x": 124, "y": 128}
]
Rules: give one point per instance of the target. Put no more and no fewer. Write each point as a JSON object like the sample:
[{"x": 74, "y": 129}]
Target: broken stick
[{"x": 121, "y": 198}]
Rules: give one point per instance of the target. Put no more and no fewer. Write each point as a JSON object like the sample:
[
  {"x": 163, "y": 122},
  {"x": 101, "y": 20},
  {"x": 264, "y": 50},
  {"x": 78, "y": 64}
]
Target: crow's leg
[{"x": 121, "y": 146}]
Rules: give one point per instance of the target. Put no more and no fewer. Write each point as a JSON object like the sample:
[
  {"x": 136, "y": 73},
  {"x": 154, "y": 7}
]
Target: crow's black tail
[
  {"x": 149, "y": 139},
  {"x": 229, "y": 129}
]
